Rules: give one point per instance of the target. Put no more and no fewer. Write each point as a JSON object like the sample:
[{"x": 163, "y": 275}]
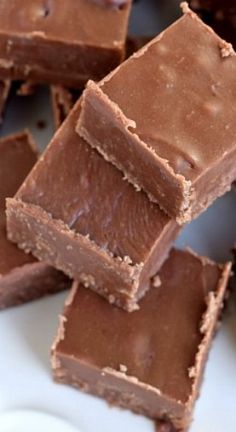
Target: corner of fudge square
[
  {"x": 89, "y": 36},
  {"x": 151, "y": 361},
  {"x": 103, "y": 233},
  {"x": 166, "y": 117}
]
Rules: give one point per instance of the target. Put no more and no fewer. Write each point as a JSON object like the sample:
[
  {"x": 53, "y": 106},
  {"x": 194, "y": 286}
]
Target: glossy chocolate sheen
[
  {"x": 220, "y": 15},
  {"x": 151, "y": 360},
  {"x": 21, "y": 277},
  {"x": 77, "y": 212},
  {"x": 179, "y": 128},
  {"x": 89, "y": 38}
]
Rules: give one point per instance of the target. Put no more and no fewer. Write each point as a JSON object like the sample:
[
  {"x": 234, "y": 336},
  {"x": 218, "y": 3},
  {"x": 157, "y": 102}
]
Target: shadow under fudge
[
  {"x": 166, "y": 117},
  {"x": 62, "y": 100},
  {"x": 220, "y": 15},
  {"x": 76, "y": 212},
  {"x": 4, "y": 92},
  {"x": 150, "y": 361},
  {"x": 22, "y": 278},
  {"x": 61, "y": 42}
]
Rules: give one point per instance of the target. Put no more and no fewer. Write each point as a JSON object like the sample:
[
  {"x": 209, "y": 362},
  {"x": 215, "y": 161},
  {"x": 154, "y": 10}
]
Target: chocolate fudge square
[
  {"x": 61, "y": 42},
  {"x": 22, "y": 278},
  {"x": 150, "y": 361},
  {"x": 166, "y": 117},
  {"x": 76, "y": 212}
]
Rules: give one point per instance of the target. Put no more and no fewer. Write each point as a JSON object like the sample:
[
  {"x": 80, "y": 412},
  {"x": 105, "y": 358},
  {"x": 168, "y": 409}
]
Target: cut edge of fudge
[
  {"x": 30, "y": 280},
  {"x": 186, "y": 205},
  {"x": 24, "y": 134},
  {"x": 23, "y": 224},
  {"x": 208, "y": 326},
  {"x": 50, "y": 239},
  {"x": 14, "y": 65},
  {"x": 81, "y": 40},
  {"x": 113, "y": 111}
]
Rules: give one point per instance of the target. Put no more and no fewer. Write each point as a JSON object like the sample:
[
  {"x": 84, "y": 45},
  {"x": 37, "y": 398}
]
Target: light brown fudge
[
  {"x": 166, "y": 117},
  {"x": 22, "y": 278},
  {"x": 61, "y": 42},
  {"x": 76, "y": 212},
  {"x": 150, "y": 361}
]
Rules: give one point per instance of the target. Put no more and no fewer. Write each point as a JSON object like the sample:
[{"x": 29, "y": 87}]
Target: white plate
[
  {"x": 26, "y": 332},
  {"x": 33, "y": 421}
]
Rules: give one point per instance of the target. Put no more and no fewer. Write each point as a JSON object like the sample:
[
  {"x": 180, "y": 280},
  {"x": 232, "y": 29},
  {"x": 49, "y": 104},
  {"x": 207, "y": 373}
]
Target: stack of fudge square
[{"x": 148, "y": 146}]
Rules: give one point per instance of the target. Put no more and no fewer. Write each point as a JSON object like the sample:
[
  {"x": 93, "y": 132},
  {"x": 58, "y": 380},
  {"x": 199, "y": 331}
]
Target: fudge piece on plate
[{"x": 150, "y": 361}]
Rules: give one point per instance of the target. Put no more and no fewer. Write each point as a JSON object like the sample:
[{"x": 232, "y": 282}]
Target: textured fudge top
[
  {"x": 73, "y": 21},
  {"x": 17, "y": 157},
  {"x": 159, "y": 343},
  {"x": 75, "y": 184},
  {"x": 180, "y": 94}
]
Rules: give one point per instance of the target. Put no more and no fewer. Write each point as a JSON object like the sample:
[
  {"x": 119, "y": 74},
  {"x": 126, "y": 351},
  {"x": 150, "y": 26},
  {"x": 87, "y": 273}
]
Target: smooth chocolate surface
[
  {"x": 77, "y": 212},
  {"x": 64, "y": 42},
  {"x": 220, "y": 15},
  {"x": 176, "y": 134},
  {"x": 21, "y": 277},
  {"x": 152, "y": 360},
  {"x": 4, "y": 92}
]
